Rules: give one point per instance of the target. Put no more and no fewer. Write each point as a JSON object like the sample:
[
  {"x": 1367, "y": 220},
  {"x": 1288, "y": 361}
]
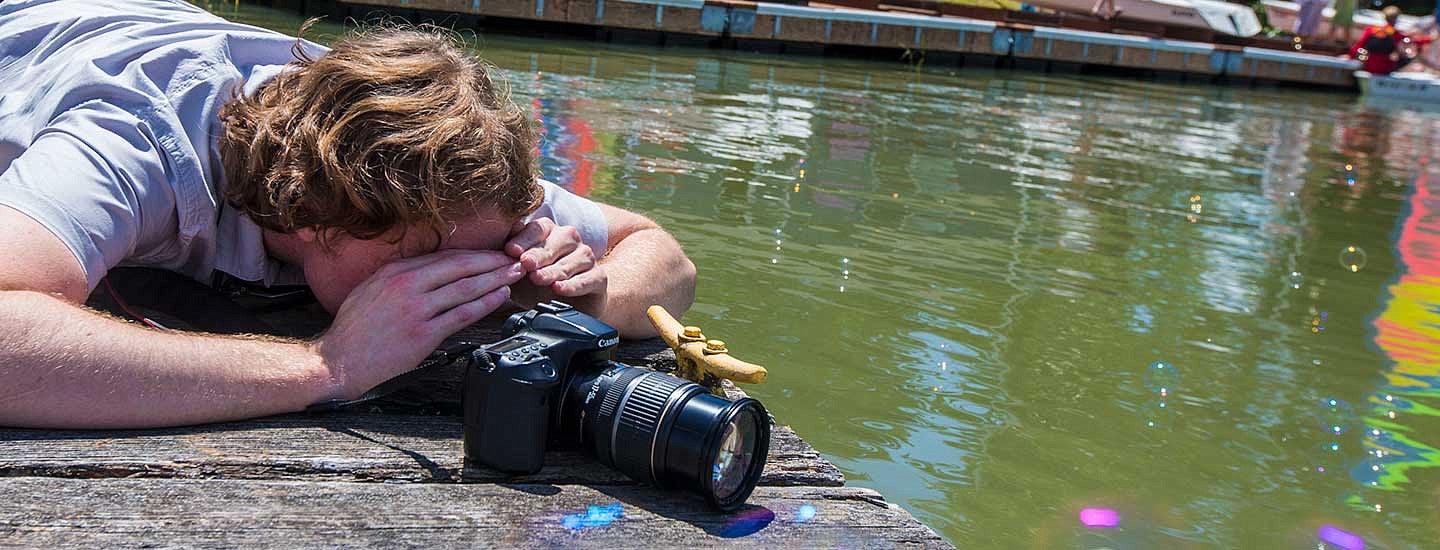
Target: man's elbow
[{"x": 685, "y": 273}]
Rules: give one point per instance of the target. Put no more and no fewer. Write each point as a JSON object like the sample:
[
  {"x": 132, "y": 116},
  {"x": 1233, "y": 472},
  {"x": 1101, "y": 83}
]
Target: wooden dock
[
  {"x": 392, "y": 474},
  {"x": 831, "y": 28}
]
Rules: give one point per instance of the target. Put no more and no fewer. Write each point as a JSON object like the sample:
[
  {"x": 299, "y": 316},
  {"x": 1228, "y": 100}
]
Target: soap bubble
[
  {"x": 1384, "y": 404},
  {"x": 1296, "y": 279},
  {"x": 1162, "y": 378},
  {"x": 1099, "y": 518},
  {"x": 594, "y": 516},
  {"x": 1336, "y": 416},
  {"x": 1378, "y": 442},
  {"x": 1158, "y": 414},
  {"x": 1369, "y": 472},
  {"x": 1352, "y": 258},
  {"x": 1340, "y": 538},
  {"x": 805, "y": 513},
  {"x": 779, "y": 240}
]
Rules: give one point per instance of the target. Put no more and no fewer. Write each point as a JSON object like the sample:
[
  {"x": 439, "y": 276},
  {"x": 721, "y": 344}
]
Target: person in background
[
  {"x": 1307, "y": 24},
  {"x": 1343, "y": 22},
  {"x": 1105, "y": 9},
  {"x": 1382, "y": 47}
]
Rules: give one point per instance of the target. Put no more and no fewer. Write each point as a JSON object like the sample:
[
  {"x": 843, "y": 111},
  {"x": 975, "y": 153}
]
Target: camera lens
[
  {"x": 735, "y": 455},
  {"x": 671, "y": 432}
]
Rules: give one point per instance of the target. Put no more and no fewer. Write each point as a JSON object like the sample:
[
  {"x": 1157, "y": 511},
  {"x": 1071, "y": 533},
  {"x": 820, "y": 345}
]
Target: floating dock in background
[{"x": 938, "y": 39}]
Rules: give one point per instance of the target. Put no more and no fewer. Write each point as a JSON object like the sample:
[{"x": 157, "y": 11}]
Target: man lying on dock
[{"x": 392, "y": 174}]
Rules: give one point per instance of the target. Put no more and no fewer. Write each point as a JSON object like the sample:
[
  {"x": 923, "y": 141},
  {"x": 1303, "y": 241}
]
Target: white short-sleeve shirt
[{"x": 109, "y": 134}]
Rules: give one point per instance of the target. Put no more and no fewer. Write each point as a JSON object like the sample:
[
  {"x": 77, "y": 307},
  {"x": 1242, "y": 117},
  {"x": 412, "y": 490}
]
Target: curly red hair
[{"x": 394, "y": 127}]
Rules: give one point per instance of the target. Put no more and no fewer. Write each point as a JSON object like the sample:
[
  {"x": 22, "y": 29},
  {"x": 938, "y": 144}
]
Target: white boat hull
[
  {"x": 1415, "y": 87},
  {"x": 1221, "y": 17}
]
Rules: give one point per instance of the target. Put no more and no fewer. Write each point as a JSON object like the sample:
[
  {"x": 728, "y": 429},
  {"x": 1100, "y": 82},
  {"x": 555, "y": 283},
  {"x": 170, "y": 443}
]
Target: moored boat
[
  {"x": 1221, "y": 17},
  {"x": 1409, "y": 87}
]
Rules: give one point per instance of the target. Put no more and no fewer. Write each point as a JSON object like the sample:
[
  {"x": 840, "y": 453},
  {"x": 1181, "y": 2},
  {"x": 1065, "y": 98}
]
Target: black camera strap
[{"x": 462, "y": 353}]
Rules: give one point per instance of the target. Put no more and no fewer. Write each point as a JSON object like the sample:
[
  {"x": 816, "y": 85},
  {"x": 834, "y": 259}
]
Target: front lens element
[{"x": 737, "y": 450}]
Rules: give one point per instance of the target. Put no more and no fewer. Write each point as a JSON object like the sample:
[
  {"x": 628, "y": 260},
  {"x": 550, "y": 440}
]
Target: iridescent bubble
[
  {"x": 1384, "y": 404},
  {"x": 1158, "y": 414},
  {"x": 1330, "y": 534},
  {"x": 594, "y": 516},
  {"x": 1101, "y": 518},
  {"x": 1330, "y": 457},
  {"x": 1162, "y": 378},
  {"x": 1352, "y": 258},
  {"x": 1336, "y": 416},
  {"x": 805, "y": 513},
  {"x": 1378, "y": 442},
  {"x": 1296, "y": 279}
]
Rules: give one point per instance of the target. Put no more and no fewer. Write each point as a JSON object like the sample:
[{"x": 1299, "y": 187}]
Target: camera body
[
  {"x": 552, "y": 382},
  {"x": 511, "y": 403}
]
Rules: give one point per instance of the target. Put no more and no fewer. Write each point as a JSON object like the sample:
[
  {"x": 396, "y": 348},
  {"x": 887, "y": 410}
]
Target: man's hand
[
  {"x": 394, "y": 319},
  {"x": 558, "y": 265}
]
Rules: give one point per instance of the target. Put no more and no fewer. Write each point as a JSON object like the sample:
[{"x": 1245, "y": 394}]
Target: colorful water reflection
[{"x": 1408, "y": 330}]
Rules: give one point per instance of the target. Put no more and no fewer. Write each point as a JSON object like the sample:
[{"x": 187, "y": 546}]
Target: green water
[{"x": 960, "y": 281}]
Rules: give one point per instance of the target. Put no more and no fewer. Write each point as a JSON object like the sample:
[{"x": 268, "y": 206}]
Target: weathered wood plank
[
  {"x": 348, "y": 446},
  {"x": 50, "y": 512}
]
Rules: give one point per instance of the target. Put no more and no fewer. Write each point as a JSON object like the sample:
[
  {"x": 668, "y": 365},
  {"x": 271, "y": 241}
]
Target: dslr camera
[{"x": 552, "y": 382}]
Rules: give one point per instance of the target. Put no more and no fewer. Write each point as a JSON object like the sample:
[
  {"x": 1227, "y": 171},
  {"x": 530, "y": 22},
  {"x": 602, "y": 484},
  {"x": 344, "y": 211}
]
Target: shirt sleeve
[
  {"x": 93, "y": 202},
  {"x": 567, "y": 208},
  {"x": 1355, "y": 48}
]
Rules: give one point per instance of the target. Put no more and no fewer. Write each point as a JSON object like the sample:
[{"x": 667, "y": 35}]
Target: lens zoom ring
[
  {"x": 616, "y": 391},
  {"x": 642, "y": 411},
  {"x": 639, "y": 421}
]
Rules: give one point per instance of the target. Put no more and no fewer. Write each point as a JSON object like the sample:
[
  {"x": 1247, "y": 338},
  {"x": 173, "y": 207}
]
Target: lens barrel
[{"x": 671, "y": 432}]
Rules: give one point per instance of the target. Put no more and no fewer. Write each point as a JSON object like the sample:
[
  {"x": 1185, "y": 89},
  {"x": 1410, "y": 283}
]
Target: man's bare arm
[
  {"x": 645, "y": 266},
  {"x": 62, "y": 366},
  {"x": 65, "y": 367}
]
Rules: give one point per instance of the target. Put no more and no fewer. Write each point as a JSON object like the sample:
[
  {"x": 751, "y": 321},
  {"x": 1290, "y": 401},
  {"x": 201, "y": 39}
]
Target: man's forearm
[
  {"x": 65, "y": 367},
  {"x": 646, "y": 268}
]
